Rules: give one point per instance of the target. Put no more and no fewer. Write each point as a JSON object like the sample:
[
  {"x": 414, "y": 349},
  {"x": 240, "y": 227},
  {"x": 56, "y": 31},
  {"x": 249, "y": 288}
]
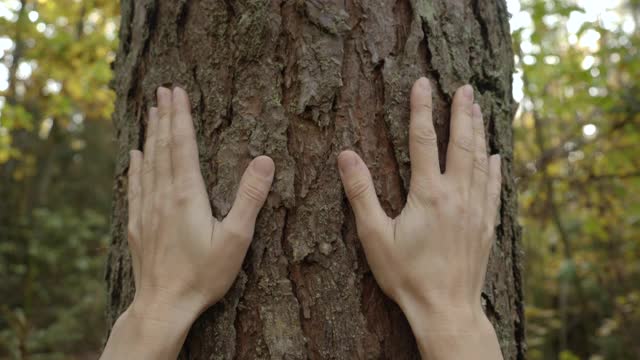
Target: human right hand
[{"x": 432, "y": 258}]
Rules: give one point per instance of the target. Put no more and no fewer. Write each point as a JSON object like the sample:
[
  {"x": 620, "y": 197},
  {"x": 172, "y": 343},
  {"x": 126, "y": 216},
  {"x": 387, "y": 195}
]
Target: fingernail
[
  {"x": 263, "y": 166},
  {"x": 163, "y": 94},
  {"x": 134, "y": 157},
  {"x": 477, "y": 112},
  {"x": 152, "y": 116},
  {"x": 178, "y": 89},
  {"x": 467, "y": 90},
  {"x": 347, "y": 162},
  {"x": 424, "y": 84}
]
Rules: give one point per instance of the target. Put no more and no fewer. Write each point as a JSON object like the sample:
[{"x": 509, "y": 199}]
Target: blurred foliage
[
  {"x": 578, "y": 172},
  {"x": 56, "y": 173}
]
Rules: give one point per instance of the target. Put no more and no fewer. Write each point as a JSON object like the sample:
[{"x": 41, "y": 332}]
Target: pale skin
[
  {"x": 431, "y": 259},
  {"x": 184, "y": 260}
]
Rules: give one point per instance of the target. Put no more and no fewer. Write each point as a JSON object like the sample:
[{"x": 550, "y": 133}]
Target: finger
[
  {"x": 480, "y": 165},
  {"x": 460, "y": 149},
  {"x": 361, "y": 193},
  {"x": 494, "y": 187},
  {"x": 184, "y": 150},
  {"x": 134, "y": 192},
  {"x": 148, "y": 172},
  {"x": 163, "y": 140},
  {"x": 252, "y": 193},
  {"x": 423, "y": 144},
  {"x": 134, "y": 199}
]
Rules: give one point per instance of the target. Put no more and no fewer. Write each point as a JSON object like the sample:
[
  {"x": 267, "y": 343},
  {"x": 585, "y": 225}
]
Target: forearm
[
  {"x": 454, "y": 334},
  {"x": 148, "y": 332}
]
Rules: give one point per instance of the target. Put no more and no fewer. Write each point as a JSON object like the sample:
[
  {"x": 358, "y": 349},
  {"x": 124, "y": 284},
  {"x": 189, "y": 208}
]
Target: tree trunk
[{"x": 300, "y": 81}]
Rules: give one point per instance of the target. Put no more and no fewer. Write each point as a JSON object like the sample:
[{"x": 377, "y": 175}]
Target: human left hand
[{"x": 184, "y": 259}]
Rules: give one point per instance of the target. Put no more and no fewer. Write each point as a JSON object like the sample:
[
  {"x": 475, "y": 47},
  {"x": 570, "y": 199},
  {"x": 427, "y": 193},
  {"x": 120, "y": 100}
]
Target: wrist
[
  {"x": 456, "y": 331},
  {"x": 451, "y": 321},
  {"x": 163, "y": 305},
  {"x": 161, "y": 316},
  {"x": 440, "y": 311},
  {"x": 154, "y": 326},
  {"x": 147, "y": 334}
]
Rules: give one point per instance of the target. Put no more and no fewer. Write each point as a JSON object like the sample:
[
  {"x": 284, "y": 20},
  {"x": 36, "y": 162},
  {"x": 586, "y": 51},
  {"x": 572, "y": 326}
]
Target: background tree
[
  {"x": 299, "y": 81},
  {"x": 56, "y": 161},
  {"x": 578, "y": 176}
]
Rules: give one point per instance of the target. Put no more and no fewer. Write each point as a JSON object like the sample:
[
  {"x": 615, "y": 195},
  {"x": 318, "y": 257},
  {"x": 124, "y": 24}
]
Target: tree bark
[{"x": 300, "y": 81}]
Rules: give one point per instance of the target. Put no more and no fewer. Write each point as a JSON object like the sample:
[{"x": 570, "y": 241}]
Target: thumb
[
  {"x": 360, "y": 191},
  {"x": 252, "y": 193}
]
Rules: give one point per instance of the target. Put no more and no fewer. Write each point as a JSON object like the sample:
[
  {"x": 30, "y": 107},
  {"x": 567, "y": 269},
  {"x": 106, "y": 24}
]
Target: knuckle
[
  {"x": 154, "y": 224},
  {"x": 478, "y": 126},
  {"x": 462, "y": 109},
  {"x": 163, "y": 141},
  {"x": 422, "y": 106},
  {"x": 358, "y": 189},
  {"x": 428, "y": 193},
  {"x": 464, "y": 143},
  {"x": 162, "y": 200},
  {"x": 480, "y": 163},
  {"x": 185, "y": 190},
  {"x": 164, "y": 113},
  {"x": 147, "y": 168},
  {"x": 477, "y": 220},
  {"x": 466, "y": 110},
  {"x": 188, "y": 181},
  {"x": 181, "y": 138},
  {"x": 489, "y": 231},
  {"x": 434, "y": 197},
  {"x": 133, "y": 193},
  {"x": 182, "y": 197},
  {"x": 460, "y": 209},
  {"x": 164, "y": 210},
  {"x": 132, "y": 233},
  {"x": 386, "y": 288},
  {"x": 234, "y": 232},
  {"x": 494, "y": 198},
  {"x": 151, "y": 139},
  {"x": 425, "y": 136},
  {"x": 253, "y": 191}
]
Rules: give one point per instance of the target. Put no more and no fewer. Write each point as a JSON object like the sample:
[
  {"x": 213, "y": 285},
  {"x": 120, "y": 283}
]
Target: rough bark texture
[{"x": 299, "y": 81}]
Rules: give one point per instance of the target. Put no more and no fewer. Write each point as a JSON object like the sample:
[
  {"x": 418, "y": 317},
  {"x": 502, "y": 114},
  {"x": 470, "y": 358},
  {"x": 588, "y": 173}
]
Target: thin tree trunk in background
[{"x": 300, "y": 81}]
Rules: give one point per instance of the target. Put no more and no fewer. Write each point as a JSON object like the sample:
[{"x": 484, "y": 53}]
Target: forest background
[{"x": 577, "y": 136}]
